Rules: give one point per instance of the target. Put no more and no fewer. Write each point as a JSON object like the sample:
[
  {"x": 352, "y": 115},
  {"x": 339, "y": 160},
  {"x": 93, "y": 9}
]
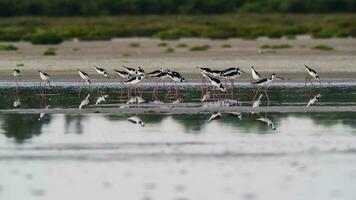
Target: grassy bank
[{"x": 44, "y": 30}]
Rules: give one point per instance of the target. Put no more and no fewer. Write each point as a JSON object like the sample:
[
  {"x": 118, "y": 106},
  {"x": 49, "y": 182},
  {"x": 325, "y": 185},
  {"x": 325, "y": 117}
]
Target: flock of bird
[{"x": 132, "y": 77}]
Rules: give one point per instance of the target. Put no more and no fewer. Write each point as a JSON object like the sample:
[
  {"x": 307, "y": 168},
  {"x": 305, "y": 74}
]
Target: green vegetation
[
  {"x": 44, "y": 30},
  {"x": 323, "y": 47},
  {"x": 162, "y": 44},
  {"x": 169, "y": 50},
  {"x": 225, "y": 46},
  {"x": 200, "y": 48},
  {"x": 50, "y": 52},
  {"x": 8, "y": 47},
  {"x": 276, "y": 46},
  {"x": 182, "y": 45},
  {"x": 135, "y": 45},
  {"x": 144, "y": 7}
]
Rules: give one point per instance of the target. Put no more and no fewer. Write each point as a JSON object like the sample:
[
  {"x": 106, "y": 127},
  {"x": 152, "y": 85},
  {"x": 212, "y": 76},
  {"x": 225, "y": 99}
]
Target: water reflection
[{"x": 23, "y": 127}]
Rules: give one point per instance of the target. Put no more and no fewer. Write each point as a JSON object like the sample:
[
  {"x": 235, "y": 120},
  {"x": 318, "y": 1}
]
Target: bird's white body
[
  {"x": 42, "y": 114},
  {"x": 257, "y": 102},
  {"x": 84, "y": 102},
  {"x": 16, "y": 73},
  {"x": 206, "y": 97},
  {"x": 135, "y": 81},
  {"x": 255, "y": 74},
  {"x": 101, "y": 99},
  {"x": 44, "y": 77},
  {"x": 101, "y": 71},
  {"x": 214, "y": 116},
  {"x": 178, "y": 101},
  {"x": 236, "y": 114},
  {"x": 312, "y": 73},
  {"x": 216, "y": 83},
  {"x": 136, "y": 120},
  {"x": 83, "y": 75},
  {"x": 267, "y": 121},
  {"x": 313, "y": 100}
]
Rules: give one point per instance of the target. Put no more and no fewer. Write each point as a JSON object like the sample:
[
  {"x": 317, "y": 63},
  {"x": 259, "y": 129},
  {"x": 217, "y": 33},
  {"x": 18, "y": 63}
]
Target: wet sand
[{"x": 336, "y": 65}]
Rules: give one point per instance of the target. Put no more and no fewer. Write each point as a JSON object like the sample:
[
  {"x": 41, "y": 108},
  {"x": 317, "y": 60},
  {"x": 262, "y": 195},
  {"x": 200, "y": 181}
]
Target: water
[{"x": 177, "y": 156}]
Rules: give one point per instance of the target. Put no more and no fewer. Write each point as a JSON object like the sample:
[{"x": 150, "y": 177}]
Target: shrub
[
  {"x": 323, "y": 47},
  {"x": 50, "y": 52},
  {"x": 135, "y": 45},
  {"x": 162, "y": 44},
  {"x": 182, "y": 45},
  {"x": 169, "y": 50},
  {"x": 9, "y": 47},
  {"x": 276, "y": 46},
  {"x": 226, "y": 46},
  {"x": 200, "y": 48},
  {"x": 173, "y": 34},
  {"x": 44, "y": 38}
]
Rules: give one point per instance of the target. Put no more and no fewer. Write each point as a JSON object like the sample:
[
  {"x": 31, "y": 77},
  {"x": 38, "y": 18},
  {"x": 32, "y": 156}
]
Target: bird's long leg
[
  {"x": 267, "y": 96},
  {"x": 232, "y": 89},
  {"x": 257, "y": 90},
  {"x": 176, "y": 90}
]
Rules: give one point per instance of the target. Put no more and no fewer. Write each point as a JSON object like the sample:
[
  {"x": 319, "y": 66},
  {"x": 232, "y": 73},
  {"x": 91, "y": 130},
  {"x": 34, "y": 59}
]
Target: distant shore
[{"x": 335, "y": 64}]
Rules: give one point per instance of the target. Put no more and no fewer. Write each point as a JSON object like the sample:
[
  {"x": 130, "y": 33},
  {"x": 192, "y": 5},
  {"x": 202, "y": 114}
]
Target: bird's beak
[
  {"x": 280, "y": 77},
  {"x": 242, "y": 71}
]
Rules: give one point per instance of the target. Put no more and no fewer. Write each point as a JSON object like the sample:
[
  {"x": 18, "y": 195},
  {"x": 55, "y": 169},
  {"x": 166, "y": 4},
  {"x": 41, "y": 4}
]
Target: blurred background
[{"x": 51, "y": 22}]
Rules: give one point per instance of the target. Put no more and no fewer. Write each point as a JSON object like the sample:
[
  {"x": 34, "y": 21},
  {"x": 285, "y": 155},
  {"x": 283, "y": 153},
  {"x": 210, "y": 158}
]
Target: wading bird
[
  {"x": 44, "y": 78},
  {"x": 85, "y": 77},
  {"x": 132, "y": 83},
  {"x": 159, "y": 75},
  {"x": 255, "y": 74},
  {"x": 267, "y": 121},
  {"x": 176, "y": 78},
  {"x": 101, "y": 71},
  {"x": 231, "y": 74},
  {"x": 312, "y": 74},
  {"x": 264, "y": 83},
  {"x": 17, "y": 74},
  {"x": 101, "y": 99},
  {"x": 216, "y": 83}
]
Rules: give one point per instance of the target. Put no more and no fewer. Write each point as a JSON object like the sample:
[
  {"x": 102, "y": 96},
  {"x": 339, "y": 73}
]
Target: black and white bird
[
  {"x": 211, "y": 72},
  {"x": 266, "y": 81},
  {"x": 17, "y": 103},
  {"x": 214, "y": 116},
  {"x": 255, "y": 74},
  {"x": 123, "y": 74},
  {"x": 314, "y": 100},
  {"x": 216, "y": 83},
  {"x": 232, "y": 73},
  {"x": 312, "y": 74},
  {"x": 267, "y": 121},
  {"x": 130, "y": 70},
  {"x": 85, "y": 102},
  {"x": 134, "y": 80},
  {"x": 101, "y": 71},
  {"x": 17, "y": 74},
  {"x": 236, "y": 114},
  {"x": 140, "y": 71},
  {"x": 175, "y": 76},
  {"x": 137, "y": 120},
  {"x": 44, "y": 77},
  {"x": 84, "y": 76},
  {"x": 257, "y": 102}
]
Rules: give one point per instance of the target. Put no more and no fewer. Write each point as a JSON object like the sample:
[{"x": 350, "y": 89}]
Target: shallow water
[{"x": 102, "y": 156}]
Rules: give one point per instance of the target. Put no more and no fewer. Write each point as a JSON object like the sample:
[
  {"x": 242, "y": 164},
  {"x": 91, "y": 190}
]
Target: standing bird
[
  {"x": 84, "y": 76},
  {"x": 17, "y": 75},
  {"x": 214, "y": 116},
  {"x": 231, "y": 74},
  {"x": 159, "y": 75},
  {"x": 264, "y": 83},
  {"x": 85, "y": 102},
  {"x": 133, "y": 82},
  {"x": 44, "y": 77},
  {"x": 312, "y": 74},
  {"x": 101, "y": 71},
  {"x": 216, "y": 83},
  {"x": 123, "y": 74},
  {"x": 176, "y": 78},
  {"x": 255, "y": 74}
]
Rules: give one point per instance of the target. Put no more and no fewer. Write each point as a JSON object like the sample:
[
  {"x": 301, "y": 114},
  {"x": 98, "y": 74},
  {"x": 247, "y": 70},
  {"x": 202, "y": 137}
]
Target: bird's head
[
  {"x": 239, "y": 70},
  {"x": 317, "y": 78},
  {"x": 182, "y": 79},
  {"x": 88, "y": 81}
]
